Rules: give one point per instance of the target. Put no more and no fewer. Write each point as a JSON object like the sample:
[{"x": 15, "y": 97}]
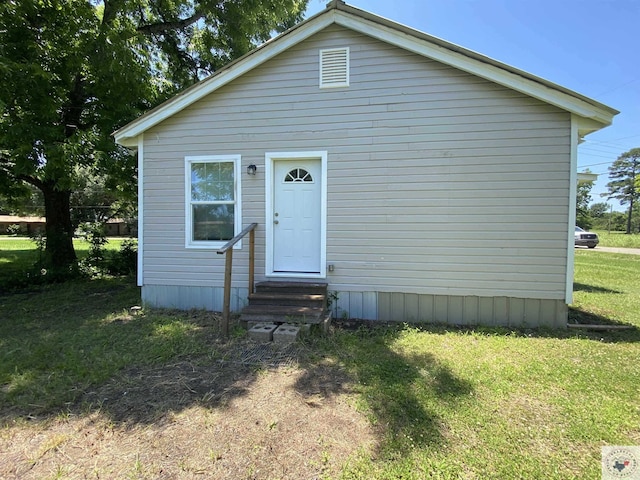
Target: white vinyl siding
[
  {"x": 213, "y": 211},
  {"x": 439, "y": 182}
]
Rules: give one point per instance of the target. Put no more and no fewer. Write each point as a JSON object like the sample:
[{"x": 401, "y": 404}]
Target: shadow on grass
[
  {"x": 77, "y": 347},
  {"x": 403, "y": 394},
  {"x": 17, "y": 268},
  {"x": 628, "y": 333},
  {"x": 146, "y": 394},
  {"x": 581, "y": 287}
]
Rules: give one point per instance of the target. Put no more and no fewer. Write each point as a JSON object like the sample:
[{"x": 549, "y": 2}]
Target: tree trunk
[
  {"x": 629, "y": 216},
  {"x": 59, "y": 252}
]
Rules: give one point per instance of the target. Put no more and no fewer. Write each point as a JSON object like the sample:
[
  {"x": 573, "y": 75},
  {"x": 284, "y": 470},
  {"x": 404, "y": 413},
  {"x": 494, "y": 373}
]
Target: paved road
[{"x": 631, "y": 251}]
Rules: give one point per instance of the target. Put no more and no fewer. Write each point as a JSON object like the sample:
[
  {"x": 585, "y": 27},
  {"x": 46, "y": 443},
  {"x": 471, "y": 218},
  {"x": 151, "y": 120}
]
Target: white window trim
[
  {"x": 237, "y": 183},
  {"x": 347, "y": 67}
]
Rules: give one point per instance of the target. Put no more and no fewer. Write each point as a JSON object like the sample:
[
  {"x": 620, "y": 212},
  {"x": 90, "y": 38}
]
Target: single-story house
[
  {"x": 26, "y": 225},
  {"x": 115, "y": 227},
  {"x": 420, "y": 180}
]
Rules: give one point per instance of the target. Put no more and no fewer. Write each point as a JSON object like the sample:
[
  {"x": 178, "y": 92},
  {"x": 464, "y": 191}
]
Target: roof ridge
[
  {"x": 335, "y": 4},
  {"x": 386, "y": 30}
]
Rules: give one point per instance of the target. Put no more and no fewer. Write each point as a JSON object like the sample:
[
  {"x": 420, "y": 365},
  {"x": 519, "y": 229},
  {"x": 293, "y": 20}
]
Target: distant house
[
  {"x": 115, "y": 227},
  {"x": 422, "y": 181},
  {"x": 27, "y": 225}
]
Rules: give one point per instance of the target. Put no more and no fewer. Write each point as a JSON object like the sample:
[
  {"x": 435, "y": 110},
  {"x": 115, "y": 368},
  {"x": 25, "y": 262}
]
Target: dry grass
[{"x": 157, "y": 423}]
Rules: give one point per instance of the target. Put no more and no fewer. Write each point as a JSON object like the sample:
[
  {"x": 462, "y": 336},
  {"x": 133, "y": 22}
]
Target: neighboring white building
[{"x": 437, "y": 183}]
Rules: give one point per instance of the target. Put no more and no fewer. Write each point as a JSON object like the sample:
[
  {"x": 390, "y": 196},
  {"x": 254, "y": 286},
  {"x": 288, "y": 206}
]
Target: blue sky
[{"x": 589, "y": 46}]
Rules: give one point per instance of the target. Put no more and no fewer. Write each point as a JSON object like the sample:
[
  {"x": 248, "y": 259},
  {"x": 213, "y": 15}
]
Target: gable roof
[{"x": 593, "y": 115}]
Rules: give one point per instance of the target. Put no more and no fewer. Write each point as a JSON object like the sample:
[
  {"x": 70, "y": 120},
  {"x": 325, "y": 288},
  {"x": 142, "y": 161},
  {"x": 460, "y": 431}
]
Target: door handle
[{"x": 276, "y": 222}]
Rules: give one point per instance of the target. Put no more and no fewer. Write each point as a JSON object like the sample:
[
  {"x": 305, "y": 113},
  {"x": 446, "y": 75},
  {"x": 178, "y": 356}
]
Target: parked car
[{"x": 586, "y": 239}]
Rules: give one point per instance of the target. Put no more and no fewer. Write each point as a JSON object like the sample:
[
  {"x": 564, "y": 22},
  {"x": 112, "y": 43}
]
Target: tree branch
[
  {"x": 162, "y": 27},
  {"x": 111, "y": 8},
  {"x": 6, "y": 168},
  {"x": 36, "y": 182},
  {"x": 72, "y": 112}
]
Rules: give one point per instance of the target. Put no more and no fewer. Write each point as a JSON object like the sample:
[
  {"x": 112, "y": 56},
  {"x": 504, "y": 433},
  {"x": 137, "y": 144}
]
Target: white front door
[{"x": 297, "y": 216}]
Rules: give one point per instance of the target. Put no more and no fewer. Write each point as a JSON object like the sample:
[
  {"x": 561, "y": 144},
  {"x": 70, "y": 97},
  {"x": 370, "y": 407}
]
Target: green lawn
[
  {"x": 18, "y": 255},
  {"x": 500, "y": 404},
  {"x": 607, "y": 286},
  {"x": 445, "y": 403},
  {"x": 618, "y": 239}
]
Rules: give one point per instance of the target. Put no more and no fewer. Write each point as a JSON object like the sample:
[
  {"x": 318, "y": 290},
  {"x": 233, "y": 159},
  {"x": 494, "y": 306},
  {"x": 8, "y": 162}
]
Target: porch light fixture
[{"x": 251, "y": 169}]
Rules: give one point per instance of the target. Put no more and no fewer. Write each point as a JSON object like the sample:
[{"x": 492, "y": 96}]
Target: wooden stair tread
[
  {"x": 277, "y": 284},
  {"x": 281, "y": 301},
  {"x": 282, "y": 310},
  {"x": 291, "y": 287},
  {"x": 312, "y": 297}
]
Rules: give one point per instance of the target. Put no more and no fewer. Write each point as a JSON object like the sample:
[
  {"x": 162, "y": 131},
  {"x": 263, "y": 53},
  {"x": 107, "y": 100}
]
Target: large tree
[
  {"x": 583, "y": 198},
  {"x": 599, "y": 210},
  {"x": 624, "y": 173},
  {"x": 72, "y": 71}
]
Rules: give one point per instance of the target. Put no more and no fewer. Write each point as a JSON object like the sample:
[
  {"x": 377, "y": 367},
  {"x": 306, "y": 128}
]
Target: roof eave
[
  {"x": 587, "y": 177},
  {"x": 475, "y": 63},
  {"x": 595, "y": 114},
  {"x": 128, "y": 134}
]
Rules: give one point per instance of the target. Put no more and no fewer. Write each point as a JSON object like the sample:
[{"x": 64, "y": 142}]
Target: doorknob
[{"x": 276, "y": 222}]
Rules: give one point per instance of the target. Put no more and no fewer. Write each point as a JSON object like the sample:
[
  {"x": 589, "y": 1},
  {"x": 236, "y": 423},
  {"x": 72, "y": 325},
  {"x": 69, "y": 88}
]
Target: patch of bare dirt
[{"x": 226, "y": 419}]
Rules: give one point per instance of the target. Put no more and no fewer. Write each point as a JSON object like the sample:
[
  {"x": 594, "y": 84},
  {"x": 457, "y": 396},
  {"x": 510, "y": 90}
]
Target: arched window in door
[{"x": 298, "y": 175}]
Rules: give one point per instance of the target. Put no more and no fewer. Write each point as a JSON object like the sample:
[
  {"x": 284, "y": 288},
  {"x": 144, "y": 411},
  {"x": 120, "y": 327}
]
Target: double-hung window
[{"x": 213, "y": 209}]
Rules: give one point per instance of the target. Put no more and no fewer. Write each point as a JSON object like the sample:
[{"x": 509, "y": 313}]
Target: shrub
[
  {"x": 14, "y": 229},
  {"x": 125, "y": 261},
  {"x": 95, "y": 263}
]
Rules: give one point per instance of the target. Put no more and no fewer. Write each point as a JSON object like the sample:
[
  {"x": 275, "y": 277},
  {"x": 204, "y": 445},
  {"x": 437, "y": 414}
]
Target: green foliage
[
  {"x": 125, "y": 261},
  {"x": 17, "y": 260},
  {"x": 624, "y": 173},
  {"x": 14, "y": 229},
  {"x": 95, "y": 234},
  {"x": 618, "y": 238},
  {"x": 614, "y": 221},
  {"x": 95, "y": 201},
  {"x": 21, "y": 266},
  {"x": 27, "y": 201},
  {"x": 73, "y": 71},
  {"x": 583, "y": 198},
  {"x": 598, "y": 210},
  {"x": 99, "y": 261}
]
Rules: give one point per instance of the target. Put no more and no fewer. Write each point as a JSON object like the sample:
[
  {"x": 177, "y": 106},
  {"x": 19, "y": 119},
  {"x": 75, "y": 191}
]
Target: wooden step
[
  {"x": 287, "y": 302},
  {"x": 287, "y": 298},
  {"x": 283, "y": 314},
  {"x": 292, "y": 287}
]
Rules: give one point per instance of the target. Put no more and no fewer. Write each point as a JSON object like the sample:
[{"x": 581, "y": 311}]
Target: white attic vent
[{"x": 334, "y": 68}]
